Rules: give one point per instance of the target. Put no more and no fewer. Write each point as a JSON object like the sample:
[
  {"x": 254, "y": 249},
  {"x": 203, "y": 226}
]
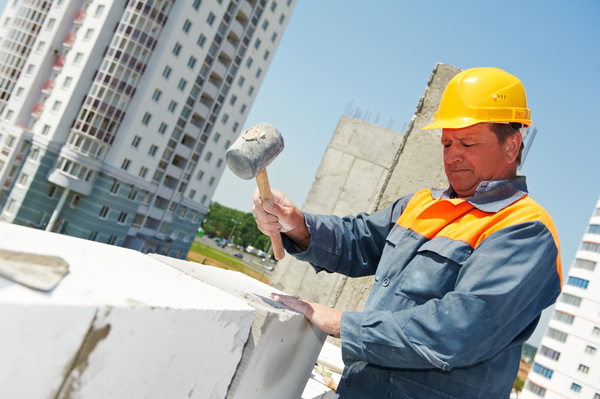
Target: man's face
[{"x": 473, "y": 154}]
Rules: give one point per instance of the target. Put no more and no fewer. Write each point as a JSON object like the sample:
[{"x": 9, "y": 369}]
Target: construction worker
[{"x": 461, "y": 274}]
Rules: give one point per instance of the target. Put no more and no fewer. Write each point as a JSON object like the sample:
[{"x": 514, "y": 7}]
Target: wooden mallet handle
[{"x": 265, "y": 194}]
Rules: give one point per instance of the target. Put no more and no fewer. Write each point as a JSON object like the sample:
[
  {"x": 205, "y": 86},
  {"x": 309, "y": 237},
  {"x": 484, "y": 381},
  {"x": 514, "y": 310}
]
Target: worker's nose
[{"x": 452, "y": 153}]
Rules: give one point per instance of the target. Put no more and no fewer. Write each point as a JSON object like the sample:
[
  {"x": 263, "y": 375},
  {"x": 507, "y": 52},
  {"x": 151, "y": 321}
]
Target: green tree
[{"x": 224, "y": 222}]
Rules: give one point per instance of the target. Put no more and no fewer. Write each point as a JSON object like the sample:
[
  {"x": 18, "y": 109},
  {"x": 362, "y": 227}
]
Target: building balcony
[
  {"x": 59, "y": 63},
  {"x": 69, "y": 40},
  {"x": 202, "y": 110},
  {"x": 79, "y": 17},
  {"x": 37, "y": 110},
  {"x": 245, "y": 10},
  {"x": 228, "y": 50},
  {"x": 237, "y": 30},
  {"x": 48, "y": 86},
  {"x": 219, "y": 70},
  {"x": 210, "y": 90}
]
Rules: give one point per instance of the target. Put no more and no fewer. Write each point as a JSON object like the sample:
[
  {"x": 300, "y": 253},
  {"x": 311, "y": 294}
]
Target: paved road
[{"x": 249, "y": 259}]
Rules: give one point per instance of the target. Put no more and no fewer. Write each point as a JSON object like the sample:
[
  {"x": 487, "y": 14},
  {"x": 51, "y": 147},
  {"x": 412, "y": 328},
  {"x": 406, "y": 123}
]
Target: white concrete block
[
  {"x": 119, "y": 324},
  {"x": 283, "y": 346}
]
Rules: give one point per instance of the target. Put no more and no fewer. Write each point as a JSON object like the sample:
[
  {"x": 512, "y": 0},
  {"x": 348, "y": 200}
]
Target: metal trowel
[{"x": 40, "y": 272}]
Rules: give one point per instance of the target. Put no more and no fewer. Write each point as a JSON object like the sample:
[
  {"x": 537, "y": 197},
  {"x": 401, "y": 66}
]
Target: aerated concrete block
[
  {"x": 119, "y": 324},
  {"x": 283, "y": 346}
]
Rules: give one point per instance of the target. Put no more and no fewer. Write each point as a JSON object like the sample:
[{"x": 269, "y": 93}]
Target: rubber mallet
[{"x": 249, "y": 156}]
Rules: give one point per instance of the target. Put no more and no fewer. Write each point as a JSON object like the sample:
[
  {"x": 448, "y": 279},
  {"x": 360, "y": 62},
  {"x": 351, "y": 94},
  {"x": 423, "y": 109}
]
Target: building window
[
  {"x": 590, "y": 350},
  {"x": 125, "y": 164},
  {"x": 590, "y": 246},
  {"x": 52, "y": 192},
  {"x": 200, "y": 175},
  {"x": 78, "y": 58},
  {"x": 208, "y": 156},
  {"x": 122, "y": 218},
  {"x": 88, "y": 35},
  {"x": 203, "y": 200},
  {"x": 267, "y": 53},
  {"x": 550, "y": 353},
  {"x": 265, "y": 24},
  {"x": 583, "y": 369},
  {"x": 585, "y": 264},
  {"x": 138, "y": 220},
  {"x": 182, "y": 84},
  {"x": 224, "y": 119},
  {"x": 249, "y": 62},
  {"x": 555, "y": 334},
  {"x": 243, "y": 109},
  {"x": 596, "y": 331},
  {"x": 172, "y": 106},
  {"x": 23, "y": 179},
  {"x": 156, "y": 95},
  {"x": 217, "y": 137},
  {"x": 563, "y": 317},
  {"x": 99, "y": 11},
  {"x": 578, "y": 282},
  {"x": 114, "y": 190},
  {"x": 104, "y": 212},
  {"x": 162, "y": 128},
  {"x": 192, "y": 194},
  {"x": 75, "y": 201},
  {"x": 273, "y": 6},
  {"x": 67, "y": 82},
  {"x": 191, "y": 62},
  {"x": 575, "y": 387},
  {"x": 232, "y": 99},
  {"x": 143, "y": 172},
  {"x": 211, "y": 181},
  {"x": 274, "y": 37},
  {"x": 241, "y": 81},
  {"x": 201, "y": 40},
  {"x": 187, "y": 25},
  {"x": 258, "y": 72},
  {"x": 176, "y": 49},
  {"x": 136, "y": 141},
  {"x": 281, "y": 19},
  {"x": 146, "y": 118},
  {"x": 236, "y": 125},
  {"x": 211, "y": 18},
  {"x": 56, "y": 106},
  {"x": 536, "y": 389},
  {"x": 196, "y": 4},
  {"x": 257, "y": 43},
  {"x": 50, "y": 24},
  {"x": 112, "y": 240},
  {"x": 543, "y": 371},
  {"x": 251, "y": 90},
  {"x": 132, "y": 194},
  {"x": 167, "y": 72},
  {"x": 93, "y": 235},
  {"x": 570, "y": 299},
  {"x": 152, "y": 151}
]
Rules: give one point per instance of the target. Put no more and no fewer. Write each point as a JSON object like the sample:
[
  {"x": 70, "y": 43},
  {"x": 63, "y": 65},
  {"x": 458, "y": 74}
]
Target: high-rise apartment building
[
  {"x": 567, "y": 363},
  {"x": 116, "y": 115}
]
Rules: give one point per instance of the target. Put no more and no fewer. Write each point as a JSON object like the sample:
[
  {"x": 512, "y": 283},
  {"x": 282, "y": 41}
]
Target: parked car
[{"x": 238, "y": 255}]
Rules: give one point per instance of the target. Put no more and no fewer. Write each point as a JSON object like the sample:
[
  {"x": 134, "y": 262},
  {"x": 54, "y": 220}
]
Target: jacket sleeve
[
  {"x": 500, "y": 292},
  {"x": 351, "y": 245}
]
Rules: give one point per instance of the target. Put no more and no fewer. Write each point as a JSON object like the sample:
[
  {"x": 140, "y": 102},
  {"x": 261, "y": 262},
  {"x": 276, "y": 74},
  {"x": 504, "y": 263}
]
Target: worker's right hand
[{"x": 280, "y": 215}]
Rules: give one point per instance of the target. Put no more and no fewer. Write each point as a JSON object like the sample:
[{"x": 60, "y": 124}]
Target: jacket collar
[{"x": 495, "y": 199}]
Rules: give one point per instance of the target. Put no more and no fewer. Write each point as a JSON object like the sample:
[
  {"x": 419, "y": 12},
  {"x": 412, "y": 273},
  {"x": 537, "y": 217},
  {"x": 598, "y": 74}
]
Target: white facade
[
  {"x": 567, "y": 363},
  {"x": 116, "y": 116}
]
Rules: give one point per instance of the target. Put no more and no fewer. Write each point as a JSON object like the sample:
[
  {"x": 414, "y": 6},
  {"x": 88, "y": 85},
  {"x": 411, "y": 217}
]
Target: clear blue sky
[{"x": 378, "y": 56}]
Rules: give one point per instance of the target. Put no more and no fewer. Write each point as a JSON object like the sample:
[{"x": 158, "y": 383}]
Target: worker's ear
[{"x": 512, "y": 146}]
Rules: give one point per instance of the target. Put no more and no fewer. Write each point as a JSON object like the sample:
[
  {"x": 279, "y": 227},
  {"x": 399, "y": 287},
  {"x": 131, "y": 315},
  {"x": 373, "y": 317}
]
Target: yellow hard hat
[{"x": 482, "y": 95}]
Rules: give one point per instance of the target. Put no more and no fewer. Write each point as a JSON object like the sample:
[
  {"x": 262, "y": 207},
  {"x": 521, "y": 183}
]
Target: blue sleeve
[
  {"x": 351, "y": 245},
  {"x": 500, "y": 291}
]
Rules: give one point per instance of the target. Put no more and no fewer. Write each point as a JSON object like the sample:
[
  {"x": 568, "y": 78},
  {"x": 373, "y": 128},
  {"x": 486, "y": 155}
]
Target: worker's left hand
[{"x": 325, "y": 319}]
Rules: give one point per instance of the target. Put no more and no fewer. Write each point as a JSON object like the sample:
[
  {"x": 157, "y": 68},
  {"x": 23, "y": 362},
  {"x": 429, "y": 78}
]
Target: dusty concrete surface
[{"x": 282, "y": 347}]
